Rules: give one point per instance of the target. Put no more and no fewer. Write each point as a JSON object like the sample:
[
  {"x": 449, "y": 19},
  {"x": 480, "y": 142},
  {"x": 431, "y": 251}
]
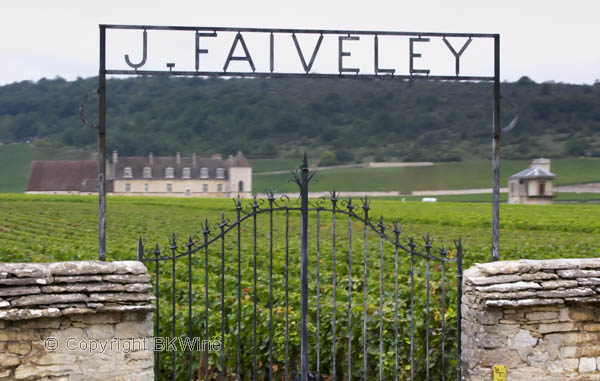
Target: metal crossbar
[{"x": 257, "y": 342}]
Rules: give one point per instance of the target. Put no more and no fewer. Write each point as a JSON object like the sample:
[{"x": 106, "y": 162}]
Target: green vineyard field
[
  {"x": 53, "y": 228},
  {"x": 48, "y": 228}
]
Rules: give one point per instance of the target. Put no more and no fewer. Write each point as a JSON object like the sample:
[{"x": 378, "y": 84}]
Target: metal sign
[{"x": 241, "y": 52}]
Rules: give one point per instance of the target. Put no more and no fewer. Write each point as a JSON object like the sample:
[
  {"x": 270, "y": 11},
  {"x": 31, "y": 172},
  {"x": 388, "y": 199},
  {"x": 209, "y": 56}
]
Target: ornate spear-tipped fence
[{"x": 326, "y": 311}]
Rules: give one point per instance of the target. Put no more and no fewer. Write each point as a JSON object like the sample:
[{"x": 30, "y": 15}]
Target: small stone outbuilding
[{"x": 532, "y": 185}]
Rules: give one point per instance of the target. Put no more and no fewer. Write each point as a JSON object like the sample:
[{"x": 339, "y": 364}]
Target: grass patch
[
  {"x": 441, "y": 176},
  {"x": 16, "y": 163},
  {"x": 268, "y": 165}
]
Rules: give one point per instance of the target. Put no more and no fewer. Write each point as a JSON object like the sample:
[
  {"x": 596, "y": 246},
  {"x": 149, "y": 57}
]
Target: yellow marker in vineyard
[{"x": 499, "y": 372}]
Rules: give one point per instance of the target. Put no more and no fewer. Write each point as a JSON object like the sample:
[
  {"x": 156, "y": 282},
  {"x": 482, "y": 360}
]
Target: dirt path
[
  {"x": 389, "y": 194},
  {"x": 359, "y": 165}
]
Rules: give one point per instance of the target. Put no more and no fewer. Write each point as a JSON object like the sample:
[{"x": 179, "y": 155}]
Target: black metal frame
[
  {"x": 247, "y": 213},
  {"x": 343, "y": 34},
  {"x": 303, "y": 179},
  {"x": 415, "y": 74}
]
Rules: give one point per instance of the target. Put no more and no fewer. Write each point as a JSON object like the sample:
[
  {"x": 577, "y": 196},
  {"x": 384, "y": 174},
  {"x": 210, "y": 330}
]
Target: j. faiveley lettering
[
  {"x": 308, "y": 67},
  {"x": 343, "y": 54},
  {"x": 348, "y": 46},
  {"x": 414, "y": 55},
  {"x": 460, "y": 52},
  {"x": 245, "y": 57},
  {"x": 376, "y": 56},
  {"x": 201, "y": 51}
]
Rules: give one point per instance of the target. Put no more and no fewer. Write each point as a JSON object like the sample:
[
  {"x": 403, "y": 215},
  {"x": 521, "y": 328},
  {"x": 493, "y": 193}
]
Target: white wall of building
[{"x": 243, "y": 174}]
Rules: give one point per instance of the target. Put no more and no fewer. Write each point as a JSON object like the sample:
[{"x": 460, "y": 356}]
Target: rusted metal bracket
[
  {"x": 513, "y": 122},
  {"x": 82, "y": 114}
]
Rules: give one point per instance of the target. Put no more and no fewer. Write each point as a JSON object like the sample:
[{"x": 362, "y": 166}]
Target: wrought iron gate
[{"x": 377, "y": 306}]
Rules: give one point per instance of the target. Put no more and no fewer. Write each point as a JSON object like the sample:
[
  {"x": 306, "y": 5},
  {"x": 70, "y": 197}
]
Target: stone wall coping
[
  {"x": 44, "y": 270},
  {"x": 535, "y": 282},
  {"x": 34, "y": 290},
  {"x": 523, "y": 266}
]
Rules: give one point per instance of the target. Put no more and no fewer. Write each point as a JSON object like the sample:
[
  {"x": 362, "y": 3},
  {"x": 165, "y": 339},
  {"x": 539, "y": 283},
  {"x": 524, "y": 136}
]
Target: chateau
[
  {"x": 181, "y": 176},
  {"x": 146, "y": 176}
]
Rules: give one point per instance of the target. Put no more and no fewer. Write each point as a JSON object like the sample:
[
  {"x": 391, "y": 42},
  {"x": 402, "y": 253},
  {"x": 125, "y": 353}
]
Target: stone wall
[
  {"x": 539, "y": 318},
  {"x": 86, "y": 320}
]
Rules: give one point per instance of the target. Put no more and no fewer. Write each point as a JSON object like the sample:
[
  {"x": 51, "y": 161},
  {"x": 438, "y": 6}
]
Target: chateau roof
[
  {"x": 240, "y": 160},
  {"x": 159, "y": 164},
  {"x": 534, "y": 172},
  {"x": 63, "y": 176}
]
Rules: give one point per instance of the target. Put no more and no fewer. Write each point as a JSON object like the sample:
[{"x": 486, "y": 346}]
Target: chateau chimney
[
  {"x": 150, "y": 158},
  {"x": 115, "y": 157},
  {"x": 194, "y": 159},
  {"x": 178, "y": 158},
  {"x": 541, "y": 163}
]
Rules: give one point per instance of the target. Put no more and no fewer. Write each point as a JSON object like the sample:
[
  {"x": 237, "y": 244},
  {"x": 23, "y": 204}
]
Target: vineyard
[{"x": 53, "y": 228}]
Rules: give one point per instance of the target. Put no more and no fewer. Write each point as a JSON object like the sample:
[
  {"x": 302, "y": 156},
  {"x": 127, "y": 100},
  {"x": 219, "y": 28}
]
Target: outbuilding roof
[
  {"x": 62, "y": 175},
  {"x": 534, "y": 172}
]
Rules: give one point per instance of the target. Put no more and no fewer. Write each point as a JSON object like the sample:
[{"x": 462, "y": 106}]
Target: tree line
[{"x": 338, "y": 120}]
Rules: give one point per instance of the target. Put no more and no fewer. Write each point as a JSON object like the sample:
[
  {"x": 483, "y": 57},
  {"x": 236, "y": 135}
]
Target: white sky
[{"x": 548, "y": 40}]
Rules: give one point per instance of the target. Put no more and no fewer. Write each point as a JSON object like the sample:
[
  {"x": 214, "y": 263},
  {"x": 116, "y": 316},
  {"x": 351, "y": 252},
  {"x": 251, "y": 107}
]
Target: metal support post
[
  {"x": 496, "y": 154},
  {"x": 102, "y": 148},
  {"x": 304, "y": 179},
  {"x": 459, "y": 281}
]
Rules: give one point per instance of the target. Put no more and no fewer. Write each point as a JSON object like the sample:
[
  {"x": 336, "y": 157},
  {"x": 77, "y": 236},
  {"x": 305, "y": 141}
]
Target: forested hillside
[{"x": 338, "y": 120}]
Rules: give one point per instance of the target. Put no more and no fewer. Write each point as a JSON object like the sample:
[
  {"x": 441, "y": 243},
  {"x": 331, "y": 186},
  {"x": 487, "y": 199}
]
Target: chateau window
[
  {"x": 187, "y": 192},
  {"x": 220, "y": 173},
  {"x": 169, "y": 173},
  {"x": 146, "y": 188},
  {"x": 204, "y": 173},
  {"x": 169, "y": 188},
  {"x": 127, "y": 173},
  {"x": 147, "y": 173},
  {"x": 187, "y": 173},
  {"x": 219, "y": 187},
  {"x": 542, "y": 189},
  {"x": 205, "y": 188},
  {"x": 127, "y": 187},
  {"x": 241, "y": 186}
]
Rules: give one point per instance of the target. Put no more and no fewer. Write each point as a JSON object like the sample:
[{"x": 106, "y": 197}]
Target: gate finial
[
  {"x": 206, "y": 229},
  {"x": 397, "y": 227},
  {"x": 173, "y": 241},
  {"x": 381, "y": 225},
  {"x": 140, "y": 249}
]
